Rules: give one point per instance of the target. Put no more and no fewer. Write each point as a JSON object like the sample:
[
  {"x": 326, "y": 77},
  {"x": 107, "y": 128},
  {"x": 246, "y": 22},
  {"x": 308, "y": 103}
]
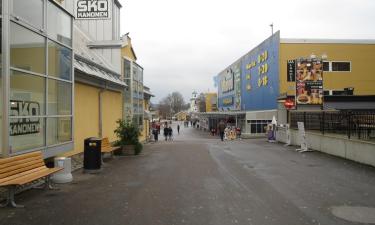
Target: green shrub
[
  {"x": 138, "y": 148},
  {"x": 127, "y": 133}
]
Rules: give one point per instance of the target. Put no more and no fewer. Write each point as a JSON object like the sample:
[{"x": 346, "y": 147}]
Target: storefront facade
[
  {"x": 99, "y": 87},
  {"x": 37, "y": 77},
  {"x": 343, "y": 66}
]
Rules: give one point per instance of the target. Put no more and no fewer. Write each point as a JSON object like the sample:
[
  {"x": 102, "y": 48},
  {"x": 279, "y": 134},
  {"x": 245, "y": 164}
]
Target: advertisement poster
[{"x": 309, "y": 82}]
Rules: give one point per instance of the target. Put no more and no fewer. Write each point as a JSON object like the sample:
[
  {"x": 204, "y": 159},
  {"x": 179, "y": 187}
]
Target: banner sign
[
  {"x": 291, "y": 70},
  {"x": 23, "y": 126},
  {"x": 93, "y": 9},
  {"x": 309, "y": 82},
  {"x": 227, "y": 82}
]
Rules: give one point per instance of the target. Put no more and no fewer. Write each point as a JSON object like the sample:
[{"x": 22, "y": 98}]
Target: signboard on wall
[
  {"x": 23, "y": 126},
  {"x": 309, "y": 82},
  {"x": 93, "y": 9},
  {"x": 291, "y": 70},
  {"x": 227, "y": 82}
]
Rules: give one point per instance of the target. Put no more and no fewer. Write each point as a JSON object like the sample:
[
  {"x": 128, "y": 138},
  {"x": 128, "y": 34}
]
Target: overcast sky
[{"x": 183, "y": 44}]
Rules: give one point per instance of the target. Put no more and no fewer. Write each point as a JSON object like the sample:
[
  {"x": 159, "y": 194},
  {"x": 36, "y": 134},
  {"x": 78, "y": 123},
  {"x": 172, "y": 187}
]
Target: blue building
[{"x": 250, "y": 87}]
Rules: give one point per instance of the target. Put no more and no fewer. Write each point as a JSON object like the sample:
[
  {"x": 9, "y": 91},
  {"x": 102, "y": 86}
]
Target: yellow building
[
  {"x": 136, "y": 99},
  {"x": 347, "y": 63},
  {"x": 211, "y": 102},
  {"x": 98, "y": 96},
  {"x": 181, "y": 116}
]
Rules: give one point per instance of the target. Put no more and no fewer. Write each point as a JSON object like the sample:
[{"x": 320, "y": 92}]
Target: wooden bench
[
  {"x": 106, "y": 146},
  {"x": 23, "y": 169}
]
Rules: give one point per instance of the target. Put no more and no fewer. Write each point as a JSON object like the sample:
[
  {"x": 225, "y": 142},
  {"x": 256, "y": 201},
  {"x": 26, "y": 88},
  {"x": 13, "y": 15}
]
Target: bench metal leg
[
  {"x": 47, "y": 184},
  {"x": 10, "y": 199}
]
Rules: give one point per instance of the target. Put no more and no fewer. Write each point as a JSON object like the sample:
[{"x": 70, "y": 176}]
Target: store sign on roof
[{"x": 92, "y": 9}]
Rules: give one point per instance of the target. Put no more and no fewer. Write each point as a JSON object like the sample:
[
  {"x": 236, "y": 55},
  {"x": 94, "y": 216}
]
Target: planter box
[{"x": 127, "y": 150}]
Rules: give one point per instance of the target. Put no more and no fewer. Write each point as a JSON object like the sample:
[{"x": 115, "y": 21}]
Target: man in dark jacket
[
  {"x": 221, "y": 128},
  {"x": 166, "y": 131}
]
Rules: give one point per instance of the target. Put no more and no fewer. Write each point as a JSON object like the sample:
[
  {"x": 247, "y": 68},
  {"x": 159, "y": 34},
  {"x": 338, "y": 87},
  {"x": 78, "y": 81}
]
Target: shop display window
[
  {"x": 59, "y": 97},
  {"x": 27, "y": 49},
  {"x": 59, "y": 25},
  {"x": 59, "y": 61},
  {"x": 59, "y": 130},
  {"x": 30, "y": 11}
]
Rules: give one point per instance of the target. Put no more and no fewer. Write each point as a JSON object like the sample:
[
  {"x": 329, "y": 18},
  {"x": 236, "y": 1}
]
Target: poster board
[{"x": 309, "y": 82}]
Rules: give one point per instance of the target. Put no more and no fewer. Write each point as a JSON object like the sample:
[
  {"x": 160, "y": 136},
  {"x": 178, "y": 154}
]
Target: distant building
[
  {"x": 181, "y": 116},
  {"x": 211, "y": 102},
  {"x": 193, "y": 102}
]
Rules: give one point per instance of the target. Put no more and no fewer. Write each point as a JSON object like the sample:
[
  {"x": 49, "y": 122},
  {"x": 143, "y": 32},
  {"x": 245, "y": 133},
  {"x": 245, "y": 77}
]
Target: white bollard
[{"x": 64, "y": 175}]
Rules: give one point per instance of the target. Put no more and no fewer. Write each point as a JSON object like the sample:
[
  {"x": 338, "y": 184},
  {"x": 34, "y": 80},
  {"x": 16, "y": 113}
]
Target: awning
[{"x": 89, "y": 68}]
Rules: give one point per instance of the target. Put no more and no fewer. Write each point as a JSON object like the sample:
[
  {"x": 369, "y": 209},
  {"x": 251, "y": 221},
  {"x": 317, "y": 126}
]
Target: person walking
[
  {"x": 170, "y": 133},
  {"x": 221, "y": 127},
  {"x": 166, "y": 131},
  {"x": 178, "y": 128},
  {"x": 155, "y": 132}
]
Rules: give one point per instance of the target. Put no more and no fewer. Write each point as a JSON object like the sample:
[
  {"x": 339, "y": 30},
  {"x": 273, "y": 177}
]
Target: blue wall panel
[{"x": 260, "y": 76}]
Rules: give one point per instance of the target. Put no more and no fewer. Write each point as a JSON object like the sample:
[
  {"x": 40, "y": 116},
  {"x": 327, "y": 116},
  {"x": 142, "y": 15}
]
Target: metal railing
[{"x": 353, "y": 124}]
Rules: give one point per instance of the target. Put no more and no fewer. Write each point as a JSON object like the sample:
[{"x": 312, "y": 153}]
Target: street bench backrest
[
  {"x": 19, "y": 164},
  {"x": 105, "y": 144}
]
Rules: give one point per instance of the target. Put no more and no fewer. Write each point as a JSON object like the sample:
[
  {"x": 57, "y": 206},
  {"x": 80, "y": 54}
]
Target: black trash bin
[{"x": 92, "y": 154}]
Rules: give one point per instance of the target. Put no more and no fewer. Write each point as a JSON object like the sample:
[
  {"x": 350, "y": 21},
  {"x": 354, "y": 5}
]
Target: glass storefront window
[
  {"x": 127, "y": 69},
  {"x": 59, "y": 61},
  {"x": 59, "y": 24},
  {"x": 27, "y": 94},
  {"x": 59, "y": 130},
  {"x": 59, "y": 97},
  {"x": 26, "y": 133},
  {"x": 30, "y": 11},
  {"x": 27, "y": 49}
]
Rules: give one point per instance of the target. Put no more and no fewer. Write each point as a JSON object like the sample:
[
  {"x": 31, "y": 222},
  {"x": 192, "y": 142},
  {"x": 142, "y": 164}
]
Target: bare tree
[
  {"x": 171, "y": 104},
  {"x": 201, "y": 102}
]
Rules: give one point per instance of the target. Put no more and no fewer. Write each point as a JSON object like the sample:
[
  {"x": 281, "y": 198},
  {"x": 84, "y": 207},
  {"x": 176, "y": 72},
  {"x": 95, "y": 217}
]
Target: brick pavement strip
[{"x": 197, "y": 179}]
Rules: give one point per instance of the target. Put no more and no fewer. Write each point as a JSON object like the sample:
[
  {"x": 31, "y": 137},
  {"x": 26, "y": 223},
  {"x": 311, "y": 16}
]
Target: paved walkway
[{"x": 199, "y": 180}]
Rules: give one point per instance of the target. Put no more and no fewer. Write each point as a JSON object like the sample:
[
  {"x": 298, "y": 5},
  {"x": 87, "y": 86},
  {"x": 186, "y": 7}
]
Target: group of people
[
  {"x": 226, "y": 132},
  {"x": 167, "y": 132}
]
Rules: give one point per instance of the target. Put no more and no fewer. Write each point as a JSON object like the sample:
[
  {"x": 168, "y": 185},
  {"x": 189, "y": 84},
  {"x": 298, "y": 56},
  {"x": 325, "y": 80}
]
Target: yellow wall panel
[
  {"x": 112, "y": 111},
  {"x": 361, "y": 56},
  {"x": 86, "y": 115}
]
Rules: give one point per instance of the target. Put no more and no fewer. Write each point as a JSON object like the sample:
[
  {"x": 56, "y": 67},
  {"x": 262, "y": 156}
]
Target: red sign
[{"x": 289, "y": 103}]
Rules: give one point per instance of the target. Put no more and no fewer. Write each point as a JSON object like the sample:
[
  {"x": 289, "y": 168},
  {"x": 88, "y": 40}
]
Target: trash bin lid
[{"x": 93, "y": 139}]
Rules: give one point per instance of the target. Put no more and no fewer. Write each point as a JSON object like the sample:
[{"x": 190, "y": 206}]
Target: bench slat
[
  {"x": 15, "y": 176},
  {"x": 31, "y": 177},
  {"x": 106, "y": 146},
  {"x": 20, "y": 165},
  {"x": 19, "y": 157},
  {"x": 17, "y": 162},
  {"x": 23, "y": 169}
]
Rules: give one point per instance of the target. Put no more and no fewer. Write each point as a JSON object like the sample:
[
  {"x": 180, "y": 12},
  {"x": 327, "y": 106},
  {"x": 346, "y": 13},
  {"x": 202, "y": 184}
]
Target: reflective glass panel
[
  {"x": 26, "y": 133},
  {"x": 59, "y": 61},
  {"x": 26, "y": 94},
  {"x": 59, "y": 24},
  {"x": 30, "y": 10},
  {"x": 59, "y": 130},
  {"x": 59, "y": 97},
  {"x": 27, "y": 49}
]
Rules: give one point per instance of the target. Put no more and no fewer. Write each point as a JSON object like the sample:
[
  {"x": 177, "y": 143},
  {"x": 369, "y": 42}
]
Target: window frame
[
  {"x": 43, "y": 32},
  {"x": 340, "y": 71}
]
